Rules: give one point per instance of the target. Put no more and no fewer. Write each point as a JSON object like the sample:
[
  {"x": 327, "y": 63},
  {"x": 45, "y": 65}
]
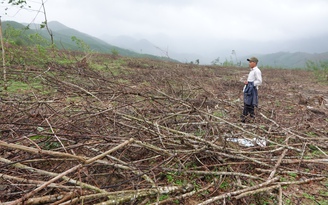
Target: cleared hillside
[{"x": 114, "y": 130}]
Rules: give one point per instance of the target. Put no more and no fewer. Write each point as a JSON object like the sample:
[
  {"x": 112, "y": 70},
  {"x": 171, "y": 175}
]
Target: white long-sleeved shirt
[{"x": 255, "y": 76}]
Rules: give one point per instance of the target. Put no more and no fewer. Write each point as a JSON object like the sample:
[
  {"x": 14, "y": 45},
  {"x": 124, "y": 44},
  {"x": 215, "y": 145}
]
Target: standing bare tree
[
  {"x": 45, "y": 23},
  {"x": 3, "y": 59}
]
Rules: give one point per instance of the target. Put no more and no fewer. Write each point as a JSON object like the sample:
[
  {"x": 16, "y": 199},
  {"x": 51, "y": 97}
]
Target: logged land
[{"x": 114, "y": 130}]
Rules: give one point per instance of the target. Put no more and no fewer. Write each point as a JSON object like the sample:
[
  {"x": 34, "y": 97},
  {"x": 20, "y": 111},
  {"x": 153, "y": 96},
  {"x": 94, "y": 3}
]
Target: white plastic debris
[
  {"x": 260, "y": 142},
  {"x": 243, "y": 142},
  {"x": 248, "y": 143}
]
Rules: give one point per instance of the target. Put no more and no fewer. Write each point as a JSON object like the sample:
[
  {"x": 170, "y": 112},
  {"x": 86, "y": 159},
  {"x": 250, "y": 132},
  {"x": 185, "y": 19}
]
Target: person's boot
[
  {"x": 243, "y": 118},
  {"x": 252, "y": 117}
]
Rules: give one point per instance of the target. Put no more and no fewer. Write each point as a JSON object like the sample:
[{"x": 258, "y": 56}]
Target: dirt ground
[{"x": 139, "y": 131}]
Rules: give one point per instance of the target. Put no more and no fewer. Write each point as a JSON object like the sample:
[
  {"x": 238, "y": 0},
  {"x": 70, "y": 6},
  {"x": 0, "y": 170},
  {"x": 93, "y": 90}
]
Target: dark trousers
[{"x": 248, "y": 110}]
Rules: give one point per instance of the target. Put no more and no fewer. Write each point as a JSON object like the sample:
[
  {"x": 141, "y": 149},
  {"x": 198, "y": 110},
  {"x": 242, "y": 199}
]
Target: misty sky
[{"x": 187, "y": 25}]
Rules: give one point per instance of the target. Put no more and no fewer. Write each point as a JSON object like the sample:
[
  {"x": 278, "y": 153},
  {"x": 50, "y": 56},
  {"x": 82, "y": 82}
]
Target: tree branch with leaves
[{"x": 24, "y": 5}]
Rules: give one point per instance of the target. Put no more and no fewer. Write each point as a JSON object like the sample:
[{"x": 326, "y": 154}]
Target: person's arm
[{"x": 258, "y": 78}]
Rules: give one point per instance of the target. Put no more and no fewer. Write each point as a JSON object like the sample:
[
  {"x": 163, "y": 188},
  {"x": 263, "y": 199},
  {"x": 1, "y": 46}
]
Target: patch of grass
[
  {"x": 176, "y": 201},
  {"x": 191, "y": 165},
  {"x": 277, "y": 103},
  {"x": 311, "y": 134},
  {"x": 73, "y": 99},
  {"x": 37, "y": 137},
  {"x": 312, "y": 147},
  {"x": 308, "y": 196},
  {"x": 326, "y": 183},
  {"x": 163, "y": 197},
  {"x": 323, "y": 202},
  {"x": 174, "y": 178},
  {"x": 292, "y": 174},
  {"x": 263, "y": 198},
  {"x": 145, "y": 65},
  {"x": 225, "y": 185},
  {"x": 319, "y": 69},
  {"x": 323, "y": 193},
  {"x": 218, "y": 113},
  {"x": 51, "y": 145},
  {"x": 317, "y": 153},
  {"x": 114, "y": 67},
  {"x": 209, "y": 178},
  {"x": 314, "y": 152},
  {"x": 21, "y": 87},
  {"x": 146, "y": 83},
  {"x": 169, "y": 178},
  {"x": 179, "y": 182},
  {"x": 200, "y": 132},
  {"x": 123, "y": 81},
  {"x": 288, "y": 202}
]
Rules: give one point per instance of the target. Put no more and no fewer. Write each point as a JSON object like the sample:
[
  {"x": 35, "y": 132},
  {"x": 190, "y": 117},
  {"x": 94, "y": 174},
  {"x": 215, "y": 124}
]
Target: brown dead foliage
[{"x": 137, "y": 131}]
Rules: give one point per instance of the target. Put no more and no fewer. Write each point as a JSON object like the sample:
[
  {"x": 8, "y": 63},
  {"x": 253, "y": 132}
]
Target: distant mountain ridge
[
  {"x": 130, "y": 43},
  {"x": 129, "y": 46},
  {"x": 282, "y": 59},
  {"x": 291, "y": 60},
  {"x": 146, "y": 47},
  {"x": 63, "y": 38},
  {"x": 64, "y": 32}
]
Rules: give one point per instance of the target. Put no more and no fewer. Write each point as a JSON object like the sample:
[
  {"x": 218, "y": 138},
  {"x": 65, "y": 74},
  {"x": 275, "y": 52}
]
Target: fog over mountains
[
  {"x": 283, "y": 54},
  {"x": 146, "y": 47},
  {"x": 196, "y": 30},
  {"x": 289, "y": 53}
]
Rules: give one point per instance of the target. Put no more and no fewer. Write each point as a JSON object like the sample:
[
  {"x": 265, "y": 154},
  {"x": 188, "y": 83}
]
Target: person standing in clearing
[{"x": 251, "y": 89}]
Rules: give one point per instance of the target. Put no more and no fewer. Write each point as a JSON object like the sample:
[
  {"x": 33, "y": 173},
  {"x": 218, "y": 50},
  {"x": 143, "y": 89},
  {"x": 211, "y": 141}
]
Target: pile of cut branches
[{"x": 159, "y": 133}]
